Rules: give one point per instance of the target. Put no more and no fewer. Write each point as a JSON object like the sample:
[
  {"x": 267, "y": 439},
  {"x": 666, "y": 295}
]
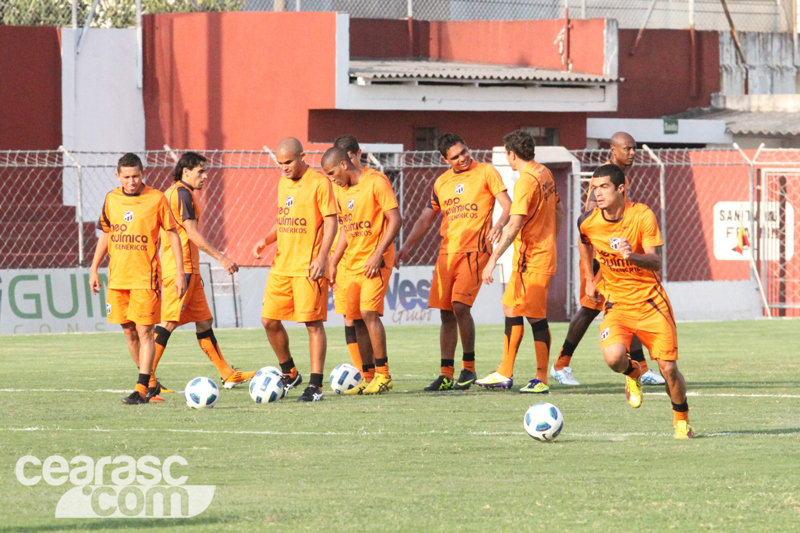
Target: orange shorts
[
  {"x": 366, "y": 294},
  {"x": 340, "y": 294},
  {"x": 457, "y": 278},
  {"x": 193, "y": 307},
  {"x": 585, "y": 300},
  {"x": 296, "y": 298},
  {"x": 140, "y": 306},
  {"x": 651, "y": 321},
  {"x": 526, "y": 294}
]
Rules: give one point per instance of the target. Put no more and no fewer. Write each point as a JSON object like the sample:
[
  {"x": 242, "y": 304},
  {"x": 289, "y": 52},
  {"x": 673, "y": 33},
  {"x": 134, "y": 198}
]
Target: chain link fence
[{"x": 748, "y": 15}]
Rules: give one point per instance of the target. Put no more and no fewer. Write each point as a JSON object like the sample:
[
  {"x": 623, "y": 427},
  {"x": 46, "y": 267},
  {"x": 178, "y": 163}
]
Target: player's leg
[
  {"x": 578, "y": 326},
  {"x": 365, "y": 349},
  {"x": 311, "y": 308},
  {"x": 162, "y": 333},
  {"x": 466, "y": 331},
  {"x": 439, "y": 298},
  {"x": 317, "y": 347},
  {"x": 377, "y": 334},
  {"x": 615, "y": 339},
  {"x": 144, "y": 312},
  {"x": 365, "y": 299},
  {"x": 350, "y": 330},
  {"x": 637, "y": 354},
  {"x": 208, "y": 343},
  {"x": 279, "y": 306},
  {"x": 541, "y": 342},
  {"x": 466, "y": 286},
  {"x": 171, "y": 311},
  {"x": 132, "y": 337},
  {"x": 512, "y": 339}
]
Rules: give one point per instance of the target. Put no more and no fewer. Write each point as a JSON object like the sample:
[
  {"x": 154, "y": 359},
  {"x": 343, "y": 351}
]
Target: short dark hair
[
  {"x": 348, "y": 143},
  {"x": 447, "y": 141},
  {"x": 335, "y": 156},
  {"x": 521, "y": 143},
  {"x": 188, "y": 160},
  {"x": 614, "y": 173},
  {"x": 130, "y": 160}
]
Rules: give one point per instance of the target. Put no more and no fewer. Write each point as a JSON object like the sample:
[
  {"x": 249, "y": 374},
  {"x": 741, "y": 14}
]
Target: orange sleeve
[
  {"x": 165, "y": 218},
  {"x": 494, "y": 181},
  {"x": 384, "y": 194},
  {"x": 526, "y": 192},
  {"x": 651, "y": 235},
  {"x": 104, "y": 223},
  {"x": 434, "y": 202},
  {"x": 326, "y": 199}
]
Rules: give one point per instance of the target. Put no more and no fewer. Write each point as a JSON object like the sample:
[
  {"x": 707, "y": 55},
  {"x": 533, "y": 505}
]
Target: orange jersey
[
  {"x": 535, "y": 198},
  {"x": 625, "y": 282},
  {"x": 183, "y": 207},
  {"x": 363, "y": 207},
  {"x": 302, "y": 206},
  {"x": 466, "y": 200},
  {"x": 133, "y": 223}
]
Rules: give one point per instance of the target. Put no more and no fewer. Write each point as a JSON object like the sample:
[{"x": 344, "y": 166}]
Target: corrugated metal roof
[
  {"x": 748, "y": 122},
  {"x": 443, "y": 71}
]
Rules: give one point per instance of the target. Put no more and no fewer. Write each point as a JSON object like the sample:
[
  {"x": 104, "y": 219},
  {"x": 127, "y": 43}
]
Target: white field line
[{"x": 690, "y": 393}]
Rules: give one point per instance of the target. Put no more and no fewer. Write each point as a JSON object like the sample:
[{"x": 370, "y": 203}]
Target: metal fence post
[
  {"x": 78, "y": 201},
  {"x": 663, "y": 194}
]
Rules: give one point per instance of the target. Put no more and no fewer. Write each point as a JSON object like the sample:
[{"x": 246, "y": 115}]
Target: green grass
[{"x": 414, "y": 461}]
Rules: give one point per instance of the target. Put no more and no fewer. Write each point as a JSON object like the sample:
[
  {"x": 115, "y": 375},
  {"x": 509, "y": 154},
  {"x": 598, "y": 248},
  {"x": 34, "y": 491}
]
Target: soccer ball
[
  {"x": 269, "y": 370},
  {"x": 344, "y": 377},
  {"x": 201, "y": 393},
  {"x": 266, "y": 387},
  {"x": 543, "y": 421}
]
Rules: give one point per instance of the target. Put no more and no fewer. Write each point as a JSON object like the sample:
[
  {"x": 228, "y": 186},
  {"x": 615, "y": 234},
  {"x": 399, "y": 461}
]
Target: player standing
[
  {"x": 465, "y": 195},
  {"x": 623, "y": 151},
  {"x": 297, "y": 288},
  {"x": 625, "y": 238},
  {"x": 131, "y": 219},
  {"x": 190, "y": 175},
  {"x": 370, "y": 223},
  {"x": 536, "y": 215}
]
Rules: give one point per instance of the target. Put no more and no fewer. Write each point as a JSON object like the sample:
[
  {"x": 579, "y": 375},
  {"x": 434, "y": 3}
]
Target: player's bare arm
[
  {"x": 341, "y": 247},
  {"x": 99, "y": 255},
  {"x": 421, "y": 227},
  {"x": 505, "y": 203},
  {"x": 317, "y": 268},
  {"x": 587, "y": 255},
  {"x": 193, "y": 232},
  {"x": 393, "y": 223},
  {"x": 650, "y": 259},
  {"x": 177, "y": 252},
  {"x": 269, "y": 238},
  {"x": 506, "y": 239}
]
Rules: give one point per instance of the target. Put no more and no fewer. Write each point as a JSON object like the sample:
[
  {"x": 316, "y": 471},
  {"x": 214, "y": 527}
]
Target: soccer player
[
  {"x": 190, "y": 175},
  {"x": 623, "y": 151},
  {"x": 356, "y": 334},
  {"x": 131, "y": 219},
  {"x": 536, "y": 215},
  {"x": 370, "y": 223},
  {"x": 465, "y": 195},
  {"x": 297, "y": 288},
  {"x": 625, "y": 239}
]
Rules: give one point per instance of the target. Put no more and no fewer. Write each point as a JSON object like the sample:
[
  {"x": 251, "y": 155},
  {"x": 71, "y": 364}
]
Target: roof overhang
[{"x": 657, "y": 130}]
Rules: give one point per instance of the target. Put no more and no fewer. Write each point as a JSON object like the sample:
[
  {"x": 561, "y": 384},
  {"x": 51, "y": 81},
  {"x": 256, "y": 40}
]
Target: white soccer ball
[
  {"x": 344, "y": 377},
  {"x": 266, "y": 388},
  {"x": 543, "y": 421},
  {"x": 201, "y": 393},
  {"x": 269, "y": 370}
]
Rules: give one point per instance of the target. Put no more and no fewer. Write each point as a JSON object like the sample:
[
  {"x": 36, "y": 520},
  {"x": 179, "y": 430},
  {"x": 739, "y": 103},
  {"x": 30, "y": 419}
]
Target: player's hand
[
  {"x": 591, "y": 290},
  {"x": 259, "y": 247},
  {"x": 494, "y": 234},
  {"x": 332, "y": 268},
  {"x": 316, "y": 269},
  {"x": 181, "y": 285},
  {"x": 399, "y": 258},
  {"x": 229, "y": 265},
  {"x": 372, "y": 266},
  {"x": 486, "y": 276},
  {"x": 94, "y": 282},
  {"x": 625, "y": 248}
]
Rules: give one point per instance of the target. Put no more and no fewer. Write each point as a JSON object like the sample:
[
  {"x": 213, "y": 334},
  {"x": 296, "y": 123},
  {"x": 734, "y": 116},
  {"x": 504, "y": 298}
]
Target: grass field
[{"x": 414, "y": 461}]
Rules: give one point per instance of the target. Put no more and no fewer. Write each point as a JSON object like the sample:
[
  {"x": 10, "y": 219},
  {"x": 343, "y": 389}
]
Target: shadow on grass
[
  {"x": 746, "y": 432},
  {"x": 122, "y": 523}
]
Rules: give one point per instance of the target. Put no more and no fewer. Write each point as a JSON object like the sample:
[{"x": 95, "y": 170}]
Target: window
[
  {"x": 425, "y": 138},
  {"x": 544, "y": 136}
]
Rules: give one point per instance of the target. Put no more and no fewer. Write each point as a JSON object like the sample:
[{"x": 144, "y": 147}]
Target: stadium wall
[{"x": 30, "y": 91}]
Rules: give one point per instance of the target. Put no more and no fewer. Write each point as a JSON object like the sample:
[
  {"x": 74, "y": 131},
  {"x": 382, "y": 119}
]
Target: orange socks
[
  {"x": 565, "y": 356},
  {"x": 352, "y": 345},
  {"x": 208, "y": 343},
  {"x": 468, "y": 361},
  {"x": 448, "y": 368},
  {"x": 680, "y": 411},
  {"x": 162, "y": 336},
  {"x": 382, "y": 366},
  {"x": 541, "y": 343},
  {"x": 515, "y": 330},
  {"x": 634, "y": 370},
  {"x": 638, "y": 356},
  {"x": 368, "y": 372}
]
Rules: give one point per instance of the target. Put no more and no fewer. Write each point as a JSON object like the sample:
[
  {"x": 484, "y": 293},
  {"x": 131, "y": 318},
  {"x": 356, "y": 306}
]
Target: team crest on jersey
[
  {"x": 460, "y": 188},
  {"x": 351, "y": 204},
  {"x": 614, "y": 242},
  {"x": 289, "y": 201},
  {"x": 128, "y": 216},
  {"x": 604, "y": 335}
]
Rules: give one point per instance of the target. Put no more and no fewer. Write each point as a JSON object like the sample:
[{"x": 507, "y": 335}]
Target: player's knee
[
  {"x": 316, "y": 327},
  {"x": 448, "y": 317},
  {"x": 461, "y": 310},
  {"x": 200, "y": 326},
  {"x": 370, "y": 316},
  {"x": 616, "y": 357},
  {"x": 270, "y": 324},
  {"x": 172, "y": 326}
]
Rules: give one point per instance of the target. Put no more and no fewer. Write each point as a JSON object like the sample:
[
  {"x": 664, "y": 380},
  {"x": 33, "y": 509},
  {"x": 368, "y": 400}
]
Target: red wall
[
  {"x": 482, "y": 130},
  {"x": 235, "y": 80},
  {"x": 30, "y": 90}
]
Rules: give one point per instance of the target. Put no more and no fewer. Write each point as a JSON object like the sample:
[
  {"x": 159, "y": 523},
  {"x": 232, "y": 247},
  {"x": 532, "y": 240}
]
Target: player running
[
  {"x": 623, "y": 151},
  {"x": 131, "y": 219},
  {"x": 465, "y": 195},
  {"x": 190, "y": 175},
  {"x": 370, "y": 223},
  {"x": 625, "y": 238},
  {"x": 297, "y": 288},
  {"x": 536, "y": 215}
]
